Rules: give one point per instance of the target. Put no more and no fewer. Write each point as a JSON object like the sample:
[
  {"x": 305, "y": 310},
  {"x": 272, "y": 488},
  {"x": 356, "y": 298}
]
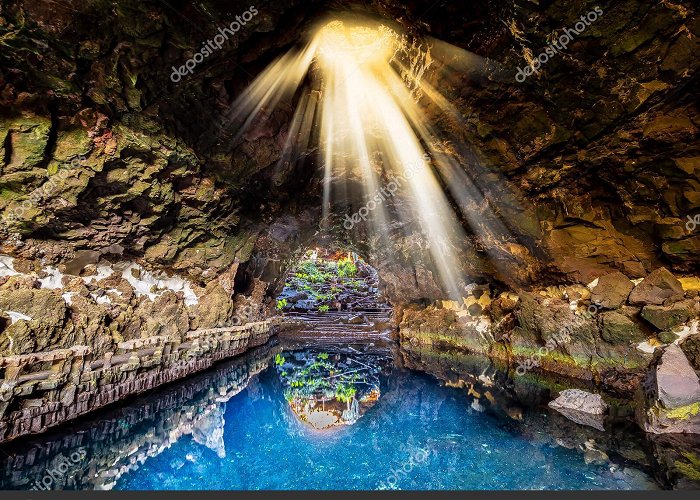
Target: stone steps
[{"x": 336, "y": 325}]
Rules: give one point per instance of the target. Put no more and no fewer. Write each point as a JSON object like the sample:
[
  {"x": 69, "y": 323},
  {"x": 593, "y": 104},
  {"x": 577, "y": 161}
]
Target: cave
[{"x": 402, "y": 245}]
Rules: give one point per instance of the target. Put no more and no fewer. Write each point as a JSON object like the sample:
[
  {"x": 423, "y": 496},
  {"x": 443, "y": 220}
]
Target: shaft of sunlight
[{"x": 370, "y": 127}]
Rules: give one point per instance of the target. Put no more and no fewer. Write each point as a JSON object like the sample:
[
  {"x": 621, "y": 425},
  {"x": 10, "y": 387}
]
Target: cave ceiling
[{"x": 594, "y": 161}]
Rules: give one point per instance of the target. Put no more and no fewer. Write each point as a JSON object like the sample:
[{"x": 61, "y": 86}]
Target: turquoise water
[
  {"x": 392, "y": 428},
  {"x": 418, "y": 435}
]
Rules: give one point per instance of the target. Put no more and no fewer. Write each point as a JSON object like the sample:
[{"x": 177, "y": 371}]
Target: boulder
[
  {"x": 576, "y": 399},
  {"x": 597, "y": 421},
  {"x": 671, "y": 396},
  {"x": 668, "y": 317},
  {"x": 691, "y": 349},
  {"x": 677, "y": 384},
  {"x": 618, "y": 329},
  {"x": 358, "y": 319},
  {"x": 612, "y": 290},
  {"x": 659, "y": 287}
]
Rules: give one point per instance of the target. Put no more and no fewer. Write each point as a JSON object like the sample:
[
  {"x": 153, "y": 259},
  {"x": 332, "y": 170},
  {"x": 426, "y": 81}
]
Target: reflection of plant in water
[{"x": 325, "y": 392}]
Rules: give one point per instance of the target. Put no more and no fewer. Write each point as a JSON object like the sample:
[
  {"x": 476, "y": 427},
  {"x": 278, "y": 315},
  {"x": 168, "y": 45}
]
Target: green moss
[
  {"x": 690, "y": 470},
  {"x": 553, "y": 355},
  {"x": 684, "y": 412},
  {"x": 71, "y": 144},
  {"x": 8, "y": 194}
]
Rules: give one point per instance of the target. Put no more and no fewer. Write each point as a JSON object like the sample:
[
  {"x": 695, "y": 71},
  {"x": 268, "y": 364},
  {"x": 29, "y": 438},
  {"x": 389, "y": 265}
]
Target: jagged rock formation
[
  {"x": 42, "y": 390},
  {"x": 593, "y": 332},
  {"x": 671, "y": 401}
]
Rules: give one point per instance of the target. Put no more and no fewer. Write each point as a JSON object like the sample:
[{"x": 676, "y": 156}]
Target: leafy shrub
[
  {"x": 323, "y": 308},
  {"x": 281, "y": 304},
  {"x": 345, "y": 392},
  {"x": 346, "y": 268}
]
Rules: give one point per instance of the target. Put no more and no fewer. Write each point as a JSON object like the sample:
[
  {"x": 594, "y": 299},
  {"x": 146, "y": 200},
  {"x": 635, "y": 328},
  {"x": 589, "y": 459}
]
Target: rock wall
[
  {"x": 100, "y": 147},
  {"x": 125, "y": 438},
  {"x": 606, "y": 332},
  {"x": 39, "y": 391},
  {"x": 93, "y": 301}
]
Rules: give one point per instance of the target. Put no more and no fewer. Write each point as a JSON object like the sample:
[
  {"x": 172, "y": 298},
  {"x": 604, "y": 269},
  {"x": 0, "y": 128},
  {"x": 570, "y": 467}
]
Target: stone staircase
[{"x": 339, "y": 325}]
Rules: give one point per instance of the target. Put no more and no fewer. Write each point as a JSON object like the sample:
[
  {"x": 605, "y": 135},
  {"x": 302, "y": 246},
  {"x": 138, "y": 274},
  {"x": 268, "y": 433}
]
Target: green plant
[
  {"x": 308, "y": 267},
  {"x": 279, "y": 359},
  {"x": 281, "y": 304},
  {"x": 323, "y": 355},
  {"x": 323, "y": 308},
  {"x": 324, "y": 297},
  {"x": 345, "y": 392},
  {"x": 346, "y": 268}
]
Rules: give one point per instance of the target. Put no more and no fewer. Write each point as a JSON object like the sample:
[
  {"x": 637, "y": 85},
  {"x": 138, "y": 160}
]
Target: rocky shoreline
[
  {"x": 42, "y": 390},
  {"x": 492, "y": 387},
  {"x": 138, "y": 432},
  {"x": 611, "y": 333}
]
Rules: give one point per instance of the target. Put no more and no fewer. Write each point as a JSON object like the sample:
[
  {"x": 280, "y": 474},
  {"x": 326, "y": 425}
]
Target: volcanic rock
[
  {"x": 667, "y": 317},
  {"x": 657, "y": 288},
  {"x": 612, "y": 290},
  {"x": 677, "y": 384},
  {"x": 576, "y": 399}
]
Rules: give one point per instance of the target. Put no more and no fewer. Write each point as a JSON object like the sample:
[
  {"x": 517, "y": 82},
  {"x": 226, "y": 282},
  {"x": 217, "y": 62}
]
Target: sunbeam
[{"x": 371, "y": 127}]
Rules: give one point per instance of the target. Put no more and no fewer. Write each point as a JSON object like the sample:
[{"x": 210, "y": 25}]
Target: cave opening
[{"x": 333, "y": 294}]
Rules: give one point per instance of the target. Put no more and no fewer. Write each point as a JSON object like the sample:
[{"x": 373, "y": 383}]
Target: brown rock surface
[
  {"x": 659, "y": 287},
  {"x": 612, "y": 290}
]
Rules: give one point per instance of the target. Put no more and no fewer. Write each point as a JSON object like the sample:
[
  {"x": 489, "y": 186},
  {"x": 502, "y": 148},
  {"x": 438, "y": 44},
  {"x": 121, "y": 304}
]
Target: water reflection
[
  {"x": 330, "y": 387},
  {"x": 117, "y": 442},
  {"x": 253, "y": 423}
]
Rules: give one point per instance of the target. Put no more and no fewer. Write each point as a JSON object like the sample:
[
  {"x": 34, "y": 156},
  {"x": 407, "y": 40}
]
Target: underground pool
[{"x": 365, "y": 416}]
